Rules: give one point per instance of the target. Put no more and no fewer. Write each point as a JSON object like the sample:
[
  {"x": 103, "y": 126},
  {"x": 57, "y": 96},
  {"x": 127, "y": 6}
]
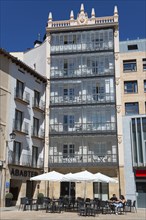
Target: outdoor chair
[
  {"x": 82, "y": 208},
  {"x": 91, "y": 209},
  {"x": 133, "y": 206},
  {"x": 24, "y": 203},
  {"x": 104, "y": 207},
  {"x": 128, "y": 205}
]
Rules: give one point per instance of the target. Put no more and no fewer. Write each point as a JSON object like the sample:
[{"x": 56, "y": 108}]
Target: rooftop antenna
[{"x": 39, "y": 37}]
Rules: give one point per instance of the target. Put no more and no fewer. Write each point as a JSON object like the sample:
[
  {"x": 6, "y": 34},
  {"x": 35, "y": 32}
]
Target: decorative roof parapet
[{"x": 82, "y": 19}]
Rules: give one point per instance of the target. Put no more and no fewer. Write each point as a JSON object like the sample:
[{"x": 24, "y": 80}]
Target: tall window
[
  {"x": 34, "y": 156},
  {"x": 19, "y": 89},
  {"x": 68, "y": 122},
  {"x": 65, "y": 67},
  {"x": 144, "y": 85},
  {"x": 129, "y": 65},
  {"x": 68, "y": 94},
  {"x": 144, "y": 64},
  {"x": 36, "y": 98},
  {"x": 18, "y": 120},
  {"x": 131, "y": 108},
  {"x": 68, "y": 150},
  {"x": 130, "y": 87},
  {"x": 17, "y": 152},
  {"x": 35, "y": 126}
]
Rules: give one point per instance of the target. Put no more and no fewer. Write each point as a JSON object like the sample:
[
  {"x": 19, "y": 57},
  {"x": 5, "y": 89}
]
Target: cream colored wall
[
  {"x": 139, "y": 75},
  {"x": 4, "y": 99}
]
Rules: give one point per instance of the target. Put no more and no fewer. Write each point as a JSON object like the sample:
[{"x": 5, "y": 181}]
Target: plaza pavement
[{"x": 14, "y": 214}]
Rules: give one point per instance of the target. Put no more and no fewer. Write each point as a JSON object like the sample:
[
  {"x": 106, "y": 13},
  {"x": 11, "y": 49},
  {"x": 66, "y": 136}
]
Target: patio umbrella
[
  {"x": 83, "y": 176},
  {"x": 99, "y": 177},
  {"x": 52, "y": 176}
]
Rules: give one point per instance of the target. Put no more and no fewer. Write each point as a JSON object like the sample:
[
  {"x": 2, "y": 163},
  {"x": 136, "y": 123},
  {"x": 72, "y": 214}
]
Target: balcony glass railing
[
  {"x": 83, "y": 127},
  {"x": 82, "y": 99},
  {"x": 82, "y": 72},
  {"x": 91, "y": 46}
]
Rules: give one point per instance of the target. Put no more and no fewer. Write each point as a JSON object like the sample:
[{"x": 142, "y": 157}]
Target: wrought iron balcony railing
[
  {"x": 78, "y": 158},
  {"x": 21, "y": 126},
  {"x": 38, "y": 105},
  {"x": 22, "y": 96},
  {"x": 38, "y": 133}
]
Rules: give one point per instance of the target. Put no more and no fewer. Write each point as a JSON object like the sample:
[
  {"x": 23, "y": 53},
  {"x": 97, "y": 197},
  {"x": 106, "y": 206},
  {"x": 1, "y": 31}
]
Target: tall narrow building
[{"x": 85, "y": 100}]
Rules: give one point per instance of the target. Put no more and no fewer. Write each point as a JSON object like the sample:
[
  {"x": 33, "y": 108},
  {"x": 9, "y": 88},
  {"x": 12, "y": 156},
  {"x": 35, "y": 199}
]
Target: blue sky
[{"x": 22, "y": 20}]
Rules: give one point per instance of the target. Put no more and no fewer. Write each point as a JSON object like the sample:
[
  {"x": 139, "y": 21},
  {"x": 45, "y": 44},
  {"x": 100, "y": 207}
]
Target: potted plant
[
  {"x": 40, "y": 198},
  {"x": 8, "y": 199}
]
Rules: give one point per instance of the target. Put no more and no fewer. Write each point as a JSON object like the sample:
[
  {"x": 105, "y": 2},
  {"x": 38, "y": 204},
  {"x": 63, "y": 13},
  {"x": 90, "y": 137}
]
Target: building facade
[
  {"x": 84, "y": 65},
  {"x": 22, "y": 95},
  {"x": 133, "y": 82}
]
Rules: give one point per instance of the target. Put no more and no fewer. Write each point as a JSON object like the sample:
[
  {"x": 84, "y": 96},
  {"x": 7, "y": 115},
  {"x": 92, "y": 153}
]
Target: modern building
[
  {"x": 133, "y": 82},
  {"x": 22, "y": 111},
  {"x": 80, "y": 58}
]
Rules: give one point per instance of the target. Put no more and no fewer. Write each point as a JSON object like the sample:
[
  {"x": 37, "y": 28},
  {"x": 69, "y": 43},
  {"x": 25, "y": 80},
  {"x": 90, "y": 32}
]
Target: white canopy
[
  {"x": 83, "y": 176},
  {"x": 99, "y": 177},
  {"x": 51, "y": 176}
]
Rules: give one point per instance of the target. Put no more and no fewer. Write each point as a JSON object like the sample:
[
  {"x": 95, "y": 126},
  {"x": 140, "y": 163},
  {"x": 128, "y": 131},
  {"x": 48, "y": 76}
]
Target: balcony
[
  {"x": 24, "y": 160},
  {"x": 82, "y": 99},
  {"x": 38, "y": 106},
  {"x": 82, "y": 47},
  {"x": 38, "y": 134},
  {"x": 107, "y": 127},
  {"x": 23, "y": 97},
  {"x": 22, "y": 127},
  {"x": 82, "y": 72},
  {"x": 80, "y": 160}
]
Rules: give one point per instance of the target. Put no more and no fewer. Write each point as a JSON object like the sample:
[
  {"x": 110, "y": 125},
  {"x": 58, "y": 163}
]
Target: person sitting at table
[
  {"x": 119, "y": 203},
  {"x": 113, "y": 198}
]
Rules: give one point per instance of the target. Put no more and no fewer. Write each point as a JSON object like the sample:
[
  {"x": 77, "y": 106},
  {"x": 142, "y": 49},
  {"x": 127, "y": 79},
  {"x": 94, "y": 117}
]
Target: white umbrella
[
  {"x": 51, "y": 176},
  {"x": 99, "y": 177},
  {"x": 83, "y": 176}
]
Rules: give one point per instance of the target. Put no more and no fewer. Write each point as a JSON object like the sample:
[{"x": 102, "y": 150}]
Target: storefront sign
[
  {"x": 140, "y": 173},
  {"x": 23, "y": 173}
]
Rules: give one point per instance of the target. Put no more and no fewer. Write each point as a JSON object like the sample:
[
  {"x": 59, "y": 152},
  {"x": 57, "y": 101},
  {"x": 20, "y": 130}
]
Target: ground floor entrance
[
  {"x": 141, "y": 192},
  {"x": 67, "y": 189}
]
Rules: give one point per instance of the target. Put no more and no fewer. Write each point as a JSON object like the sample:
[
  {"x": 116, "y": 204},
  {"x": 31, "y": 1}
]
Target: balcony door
[
  {"x": 34, "y": 156},
  {"x": 19, "y": 89},
  {"x": 17, "y": 152},
  {"x": 68, "y": 122},
  {"x": 18, "y": 120},
  {"x": 68, "y": 151}
]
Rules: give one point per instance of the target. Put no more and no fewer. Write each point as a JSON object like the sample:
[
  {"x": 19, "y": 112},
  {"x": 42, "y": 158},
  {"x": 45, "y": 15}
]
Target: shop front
[
  {"x": 19, "y": 184},
  {"x": 141, "y": 188}
]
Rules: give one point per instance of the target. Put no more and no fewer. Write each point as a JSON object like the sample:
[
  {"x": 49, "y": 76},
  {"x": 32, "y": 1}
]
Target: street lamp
[{"x": 12, "y": 136}]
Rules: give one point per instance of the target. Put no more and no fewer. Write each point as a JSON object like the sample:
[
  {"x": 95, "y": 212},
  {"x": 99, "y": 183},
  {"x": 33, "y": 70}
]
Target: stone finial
[
  {"x": 93, "y": 13},
  {"x": 115, "y": 10},
  {"x": 50, "y": 16},
  {"x": 82, "y": 8},
  {"x": 71, "y": 15}
]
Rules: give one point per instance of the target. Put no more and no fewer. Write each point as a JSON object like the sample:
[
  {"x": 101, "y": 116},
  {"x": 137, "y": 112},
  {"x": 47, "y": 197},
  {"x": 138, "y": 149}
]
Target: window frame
[
  {"x": 131, "y": 105},
  {"x": 134, "y": 86},
  {"x": 132, "y": 64}
]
